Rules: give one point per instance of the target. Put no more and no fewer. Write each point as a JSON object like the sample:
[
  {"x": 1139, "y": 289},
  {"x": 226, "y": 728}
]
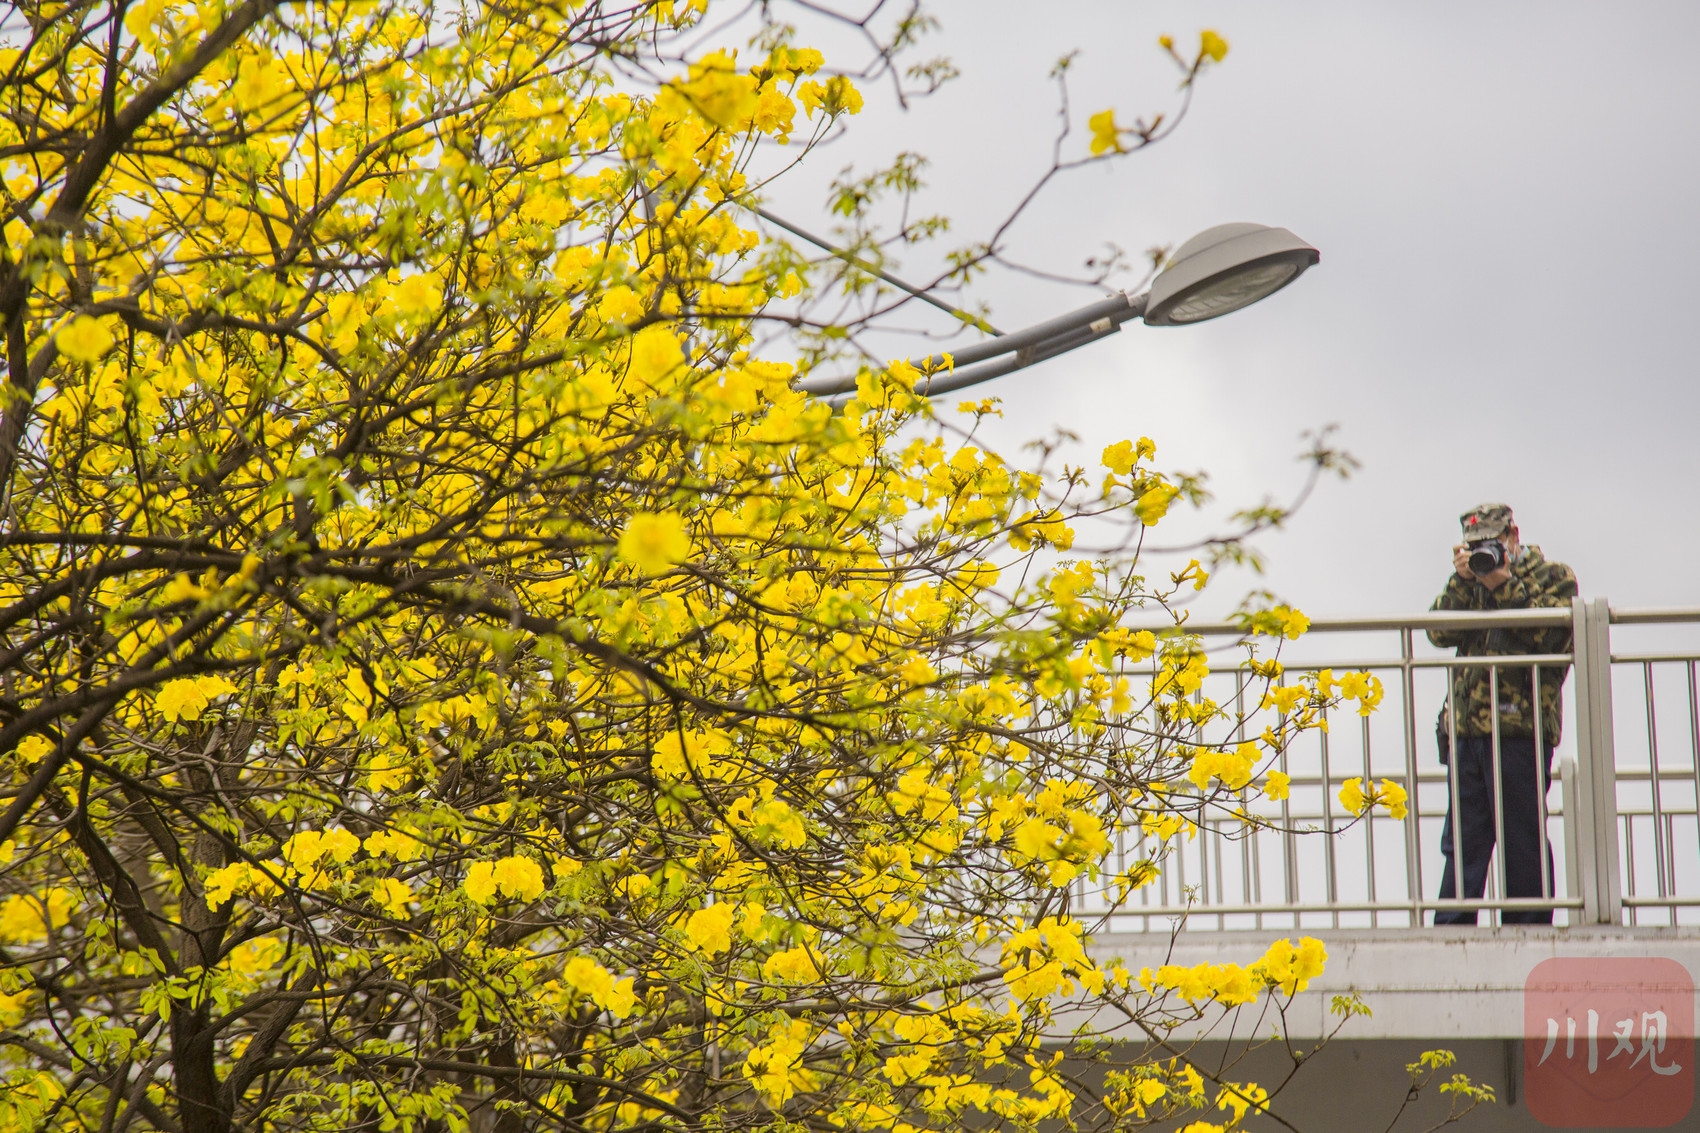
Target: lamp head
[{"x": 1223, "y": 269}]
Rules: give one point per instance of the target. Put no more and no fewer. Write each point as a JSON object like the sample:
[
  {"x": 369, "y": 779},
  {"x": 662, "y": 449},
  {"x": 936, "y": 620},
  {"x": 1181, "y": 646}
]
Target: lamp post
[{"x": 1216, "y": 272}]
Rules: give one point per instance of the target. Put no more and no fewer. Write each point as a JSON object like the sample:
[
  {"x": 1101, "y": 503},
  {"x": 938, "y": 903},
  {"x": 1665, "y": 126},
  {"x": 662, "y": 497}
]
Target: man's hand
[{"x": 1461, "y": 563}]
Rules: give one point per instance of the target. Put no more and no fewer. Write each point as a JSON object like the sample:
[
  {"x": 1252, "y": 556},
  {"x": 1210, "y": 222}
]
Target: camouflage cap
[{"x": 1486, "y": 521}]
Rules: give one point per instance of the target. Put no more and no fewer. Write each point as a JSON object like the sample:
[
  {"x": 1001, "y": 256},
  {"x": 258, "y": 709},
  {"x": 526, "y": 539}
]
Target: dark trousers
[{"x": 1521, "y": 788}]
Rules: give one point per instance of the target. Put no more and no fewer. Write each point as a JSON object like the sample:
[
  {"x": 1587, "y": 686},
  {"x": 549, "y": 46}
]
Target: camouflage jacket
[{"x": 1534, "y": 582}]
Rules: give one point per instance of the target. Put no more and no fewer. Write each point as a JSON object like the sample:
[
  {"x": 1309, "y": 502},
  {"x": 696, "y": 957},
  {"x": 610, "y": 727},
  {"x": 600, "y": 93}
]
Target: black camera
[{"x": 1486, "y": 557}]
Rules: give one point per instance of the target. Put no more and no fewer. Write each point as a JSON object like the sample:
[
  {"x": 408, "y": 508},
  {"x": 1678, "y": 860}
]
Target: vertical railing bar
[
  {"x": 1180, "y": 869},
  {"x": 1110, "y": 901},
  {"x": 1569, "y": 789},
  {"x": 1167, "y": 876},
  {"x": 1694, "y": 740},
  {"x": 1178, "y": 897},
  {"x": 1248, "y": 863},
  {"x": 1256, "y": 839},
  {"x": 1328, "y": 823},
  {"x": 1159, "y": 893},
  {"x": 1202, "y": 838},
  {"x": 1145, "y": 890},
  {"x": 1221, "y": 892},
  {"x": 1413, "y": 829},
  {"x": 1582, "y": 828},
  {"x": 1653, "y": 781},
  {"x": 1156, "y": 850},
  {"x": 1455, "y": 808},
  {"x": 1543, "y": 846},
  {"x": 1369, "y": 828},
  {"x": 1499, "y": 870},
  {"x": 1203, "y": 841},
  {"x": 1121, "y": 862},
  {"x": 1289, "y": 841},
  {"x": 1245, "y": 851},
  {"x": 1629, "y": 859},
  {"x": 1605, "y": 804},
  {"x": 1670, "y": 848}
]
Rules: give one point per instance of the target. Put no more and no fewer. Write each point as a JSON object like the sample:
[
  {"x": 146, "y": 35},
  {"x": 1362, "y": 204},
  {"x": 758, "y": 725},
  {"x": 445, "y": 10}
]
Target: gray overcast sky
[{"x": 1503, "y": 194}]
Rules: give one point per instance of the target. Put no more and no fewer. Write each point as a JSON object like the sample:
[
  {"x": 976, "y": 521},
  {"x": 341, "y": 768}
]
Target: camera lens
[{"x": 1485, "y": 558}]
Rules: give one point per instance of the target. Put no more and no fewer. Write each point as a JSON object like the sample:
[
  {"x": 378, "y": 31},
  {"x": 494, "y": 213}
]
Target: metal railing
[{"x": 1624, "y": 836}]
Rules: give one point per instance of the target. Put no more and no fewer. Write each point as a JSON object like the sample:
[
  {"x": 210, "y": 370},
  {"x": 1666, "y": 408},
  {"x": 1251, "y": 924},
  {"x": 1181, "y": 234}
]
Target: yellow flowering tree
[{"x": 448, "y": 679}]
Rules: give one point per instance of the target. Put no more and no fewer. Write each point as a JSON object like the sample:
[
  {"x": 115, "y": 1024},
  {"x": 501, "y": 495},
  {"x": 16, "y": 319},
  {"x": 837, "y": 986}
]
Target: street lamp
[
  {"x": 1216, "y": 272},
  {"x": 1223, "y": 269}
]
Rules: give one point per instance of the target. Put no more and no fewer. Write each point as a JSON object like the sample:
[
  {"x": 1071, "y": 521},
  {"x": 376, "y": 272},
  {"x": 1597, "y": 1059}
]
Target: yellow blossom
[
  {"x": 777, "y": 821},
  {"x": 84, "y": 339},
  {"x": 392, "y": 895},
  {"x": 238, "y": 878},
  {"x": 27, "y": 919},
  {"x": 480, "y": 882},
  {"x": 794, "y": 965},
  {"x": 1106, "y": 136},
  {"x": 1154, "y": 503},
  {"x": 35, "y": 748},
  {"x": 395, "y": 843},
  {"x": 1292, "y": 968},
  {"x": 774, "y": 1067},
  {"x": 418, "y": 294},
  {"x": 1121, "y": 457},
  {"x": 710, "y": 930},
  {"x": 654, "y": 543},
  {"x": 187, "y": 699},
  {"x": 1365, "y": 688},
  {"x": 1352, "y": 796},
  {"x": 513, "y": 876},
  {"x": 591, "y": 979},
  {"x": 1233, "y": 768},
  {"x": 14, "y": 1007},
  {"x": 1393, "y": 796},
  {"x": 838, "y": 95},
  {"x": 655, "y": 357},
  {"x": 518, "y": 877},
  {"x": 261, "y": 954},
  {"x": 1293, "y": 622}
]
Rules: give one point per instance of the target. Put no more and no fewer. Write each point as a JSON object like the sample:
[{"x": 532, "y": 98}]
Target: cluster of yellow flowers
[
  {"x": 1285, "y": 967},
  {"x": 445, "y": 643},
  {"x": 1365, "y": 688},
  {"x": 1359, "y": 797}
]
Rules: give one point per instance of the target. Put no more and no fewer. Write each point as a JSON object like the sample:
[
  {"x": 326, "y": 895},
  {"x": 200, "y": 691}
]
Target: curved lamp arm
[
  {"x": 1217, "y": 272},
  {"x": 1024, "y": 347}
]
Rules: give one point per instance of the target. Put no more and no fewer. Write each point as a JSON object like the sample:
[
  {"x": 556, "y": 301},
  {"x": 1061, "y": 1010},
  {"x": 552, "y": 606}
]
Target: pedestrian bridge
[{"x": 1622, "y": 820}]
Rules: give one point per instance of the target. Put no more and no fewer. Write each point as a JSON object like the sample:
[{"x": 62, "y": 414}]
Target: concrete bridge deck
[{"x": 1427, "y": 983}]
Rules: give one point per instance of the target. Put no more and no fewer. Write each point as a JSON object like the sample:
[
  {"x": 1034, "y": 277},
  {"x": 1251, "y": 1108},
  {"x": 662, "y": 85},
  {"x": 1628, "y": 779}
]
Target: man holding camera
[{"x": 1494, "y": 570}]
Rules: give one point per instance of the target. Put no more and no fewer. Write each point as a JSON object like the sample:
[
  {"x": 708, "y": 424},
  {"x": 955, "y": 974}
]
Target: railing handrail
[
  {"x": 1428, "y": 619},
  {"x": 1445, "y": 620},
  {"x": 1656, "y": 614},
  {"x": 1497, "y": 660}
]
